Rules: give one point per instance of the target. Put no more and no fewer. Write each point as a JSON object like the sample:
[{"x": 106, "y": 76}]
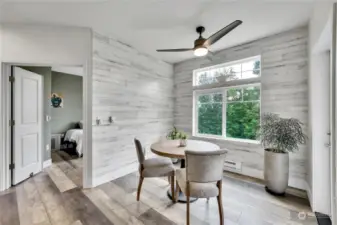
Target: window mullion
[
  {"x": 195, "y": 129},
  {"x": 224, "y": 114},
  {"x": 242, "y": 95},
  {"x": 241, "y": 71}
]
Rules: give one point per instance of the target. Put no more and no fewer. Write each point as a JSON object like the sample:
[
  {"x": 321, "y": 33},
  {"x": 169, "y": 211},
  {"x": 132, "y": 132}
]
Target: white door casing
[
  {"x": 28, "y": 116},
  {"x": 333, "y": 117}
]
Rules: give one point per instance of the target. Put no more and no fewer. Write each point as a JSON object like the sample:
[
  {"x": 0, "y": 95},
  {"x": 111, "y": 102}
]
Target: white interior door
[{"x": 28, "y": 124}]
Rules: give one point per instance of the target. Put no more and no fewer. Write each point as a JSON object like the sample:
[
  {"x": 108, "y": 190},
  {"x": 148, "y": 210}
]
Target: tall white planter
[{"x": 276, "y": 172}]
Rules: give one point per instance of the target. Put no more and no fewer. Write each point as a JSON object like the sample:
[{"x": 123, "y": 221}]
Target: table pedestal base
[{"x": 181, "y": 198}]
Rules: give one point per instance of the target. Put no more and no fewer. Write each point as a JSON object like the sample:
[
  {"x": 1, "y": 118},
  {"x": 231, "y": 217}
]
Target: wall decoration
[{"x": 56, "y": 100}]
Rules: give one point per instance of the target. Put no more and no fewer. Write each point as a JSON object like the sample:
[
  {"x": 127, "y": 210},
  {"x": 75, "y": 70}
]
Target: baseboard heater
[{"x": 233, "y": 166}]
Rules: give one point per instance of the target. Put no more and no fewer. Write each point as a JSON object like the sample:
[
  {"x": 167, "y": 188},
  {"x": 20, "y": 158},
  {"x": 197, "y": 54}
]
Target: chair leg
[
  {"x": 187, "y": 204},
  {"x": 187, "y": 210},
  {"x": 219, "y": 198},
  {"x": 139, "y": 187},
  {"x": 172, "y": 189},
  {"x": 177, "y": 194}
]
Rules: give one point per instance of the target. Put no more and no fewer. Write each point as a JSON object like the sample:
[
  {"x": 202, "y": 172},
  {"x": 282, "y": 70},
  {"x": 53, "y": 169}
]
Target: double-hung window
[{"x": 227, "y": 100}]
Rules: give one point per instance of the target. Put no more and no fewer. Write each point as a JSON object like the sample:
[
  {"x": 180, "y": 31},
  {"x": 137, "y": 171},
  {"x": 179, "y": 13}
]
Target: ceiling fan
[{"x": 201, "y": 44}]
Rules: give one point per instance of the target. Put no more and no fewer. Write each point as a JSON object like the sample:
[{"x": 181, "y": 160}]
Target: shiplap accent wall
[
  {"x": 284, "y": 90},
  {"x": 137, "y": 91}
]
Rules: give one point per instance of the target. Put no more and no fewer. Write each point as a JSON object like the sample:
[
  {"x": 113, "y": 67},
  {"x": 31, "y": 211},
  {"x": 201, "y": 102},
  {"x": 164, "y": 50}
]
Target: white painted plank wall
[
  {"x": 135, "y": 89},
  {"x": 284, "y": 84}
]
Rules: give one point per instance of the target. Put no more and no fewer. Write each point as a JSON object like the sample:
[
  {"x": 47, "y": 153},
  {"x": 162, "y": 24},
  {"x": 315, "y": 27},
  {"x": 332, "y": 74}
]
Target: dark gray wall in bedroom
[
  {"x": 46, "y": 73},
  {"x": 71, "y": 88}
]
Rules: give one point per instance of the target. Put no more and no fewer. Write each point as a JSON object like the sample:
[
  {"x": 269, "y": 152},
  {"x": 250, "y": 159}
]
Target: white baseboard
[
  {"x": 123, "y": 171},
  {"x": 47, "y": 163}
]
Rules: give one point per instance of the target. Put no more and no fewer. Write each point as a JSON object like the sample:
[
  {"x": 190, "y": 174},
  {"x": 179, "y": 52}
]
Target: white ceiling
[{"x": 151, "y": 24}]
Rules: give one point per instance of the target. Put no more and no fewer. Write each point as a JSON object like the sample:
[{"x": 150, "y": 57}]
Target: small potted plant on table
[
  {"x": 279, "y": 136},
  {"x": 180, "y": 136}
]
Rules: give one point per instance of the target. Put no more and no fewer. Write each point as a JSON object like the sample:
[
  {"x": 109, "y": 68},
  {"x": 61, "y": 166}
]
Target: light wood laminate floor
[{"x": 55, "y": 197}]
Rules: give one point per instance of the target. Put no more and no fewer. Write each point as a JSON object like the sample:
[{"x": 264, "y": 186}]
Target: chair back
[
  {"x": 140, "y": 151},
  {"x": 205, "y": 166}
]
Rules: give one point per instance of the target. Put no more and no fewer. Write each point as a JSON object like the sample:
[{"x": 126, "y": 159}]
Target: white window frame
[
  {"x": 227, "y": 64},
  {"x": 198, "y": 92}
]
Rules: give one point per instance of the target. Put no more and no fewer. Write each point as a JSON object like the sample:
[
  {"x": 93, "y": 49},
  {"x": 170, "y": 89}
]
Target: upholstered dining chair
[
  {"x": 154, "y": 167},
  {"x": 202, "y": 177}
]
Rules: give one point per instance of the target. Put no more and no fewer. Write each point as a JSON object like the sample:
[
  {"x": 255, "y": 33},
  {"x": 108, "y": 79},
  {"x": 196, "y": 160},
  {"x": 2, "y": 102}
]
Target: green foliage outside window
[
  {"x": 210, "y": 119},
  {"x": 243, "y": 120},
  {"x": 242, "y": 113},
  {"x": 256, "y": 69}
]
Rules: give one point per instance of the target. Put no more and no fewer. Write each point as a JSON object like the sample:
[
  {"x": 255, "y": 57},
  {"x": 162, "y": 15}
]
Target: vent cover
[
  {"x": 233, "y": 166},
  {"x": 55, "y": 141}
]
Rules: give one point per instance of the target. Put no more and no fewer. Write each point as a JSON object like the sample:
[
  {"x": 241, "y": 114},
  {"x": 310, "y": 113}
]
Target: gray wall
[
  {"x": 46, "y": 73},
  {"x": 135, "y": 89},
  {"x": 71, "y": 88},
  {"x": 284, "y": 90}
]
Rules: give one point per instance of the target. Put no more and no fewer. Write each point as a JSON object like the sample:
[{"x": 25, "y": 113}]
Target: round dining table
[{"x": 172, "y": 149}]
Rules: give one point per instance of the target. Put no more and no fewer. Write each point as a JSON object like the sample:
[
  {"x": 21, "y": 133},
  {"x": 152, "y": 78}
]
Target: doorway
[
  {"x": 84, "y": 178},
  {"x": 66, "y": 124},
  {"x": 56, "y": 146}
]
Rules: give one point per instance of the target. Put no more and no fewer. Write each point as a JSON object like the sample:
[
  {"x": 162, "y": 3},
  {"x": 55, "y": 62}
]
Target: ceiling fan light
[{"x": 201, "y": 51}]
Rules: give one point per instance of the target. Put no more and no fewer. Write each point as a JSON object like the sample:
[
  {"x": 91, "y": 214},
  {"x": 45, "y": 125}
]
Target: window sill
[{"x": 227, "y": 139}]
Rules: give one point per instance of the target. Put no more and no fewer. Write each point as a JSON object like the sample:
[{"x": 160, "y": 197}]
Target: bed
[{"x": 75, "y": 136}]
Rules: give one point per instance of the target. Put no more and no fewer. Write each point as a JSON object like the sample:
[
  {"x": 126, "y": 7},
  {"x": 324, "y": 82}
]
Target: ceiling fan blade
[
  {"x": 175, "y": 50},
  {"x": 218, "y": 35}
]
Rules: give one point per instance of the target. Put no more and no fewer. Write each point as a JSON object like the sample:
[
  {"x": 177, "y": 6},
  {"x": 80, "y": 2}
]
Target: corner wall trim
[
  {"x": 47, "y": 163},
  {"x": 309, "y": 193}
]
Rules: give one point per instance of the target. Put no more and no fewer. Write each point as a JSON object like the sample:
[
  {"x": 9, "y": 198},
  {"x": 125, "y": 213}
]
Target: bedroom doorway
[
  {"x": 66, "y": 122},
  {"x": 52, "y": 98}
]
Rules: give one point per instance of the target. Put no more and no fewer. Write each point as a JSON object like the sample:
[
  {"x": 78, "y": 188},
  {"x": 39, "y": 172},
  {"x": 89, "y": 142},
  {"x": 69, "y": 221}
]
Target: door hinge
[
  {"x": 12, "y": 123},
  {"x": 11, "y": 79},
  {"x": 12, "y": 166}
]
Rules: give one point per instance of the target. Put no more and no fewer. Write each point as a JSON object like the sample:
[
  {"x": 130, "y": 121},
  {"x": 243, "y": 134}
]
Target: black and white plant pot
[
  {"x": 276, "y": 172},
  {"x": 183, "y": 142}
]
